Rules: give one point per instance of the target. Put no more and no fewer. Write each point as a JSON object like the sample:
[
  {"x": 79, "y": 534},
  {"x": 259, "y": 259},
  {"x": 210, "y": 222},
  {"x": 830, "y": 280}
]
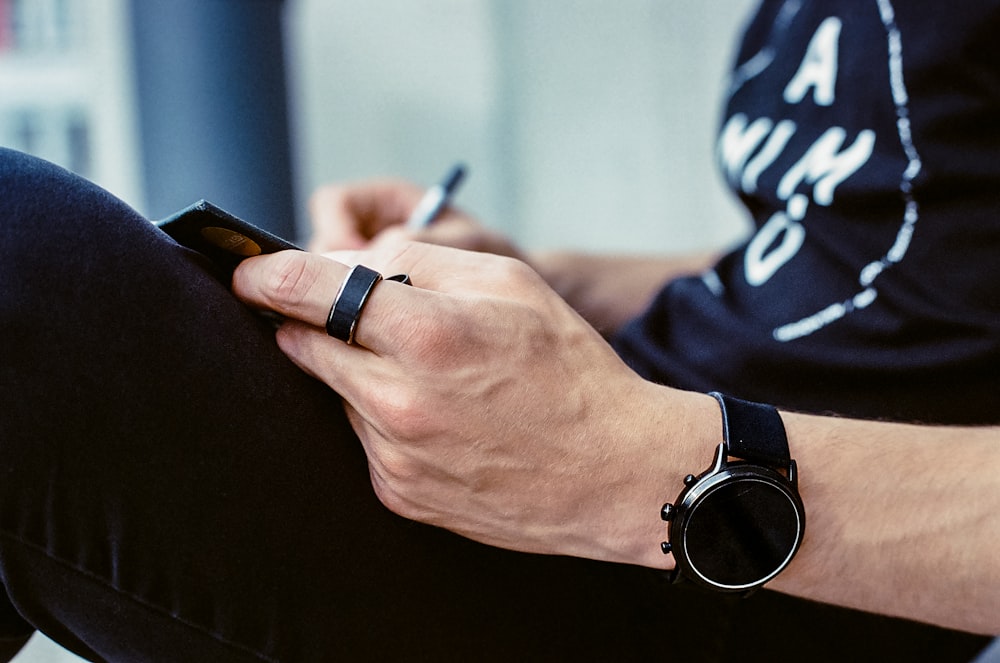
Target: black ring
[
  {"x": 342, "y": 321},
  {"x": 400, "y": 278}
]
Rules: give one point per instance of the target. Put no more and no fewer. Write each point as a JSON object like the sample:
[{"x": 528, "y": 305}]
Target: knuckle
[
  {"x": 394, "y": 479},
  {"x": 403, "y": 413},
  {"x": 396, "y": 471},
  {"x": 390, "y": 497},
  {"x": 515, "y": 271},
  {"x": 436, "y": 341}
]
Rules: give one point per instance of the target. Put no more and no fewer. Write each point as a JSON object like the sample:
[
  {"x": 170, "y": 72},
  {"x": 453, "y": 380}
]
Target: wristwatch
[{"x": 739, "y": 523}]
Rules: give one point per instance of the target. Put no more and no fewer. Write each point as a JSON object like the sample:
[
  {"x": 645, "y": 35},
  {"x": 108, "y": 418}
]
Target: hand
[
  {"x": 485, "y": 404},
  {"x": 368, "y": 214}
]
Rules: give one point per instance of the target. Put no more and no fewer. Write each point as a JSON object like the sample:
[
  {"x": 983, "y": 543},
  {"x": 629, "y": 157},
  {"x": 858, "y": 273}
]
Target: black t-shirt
[{"x": 864, "y": 139}]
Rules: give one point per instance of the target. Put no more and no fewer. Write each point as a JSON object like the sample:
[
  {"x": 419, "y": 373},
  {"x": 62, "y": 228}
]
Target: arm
[
  {"x": 608, "y": 291},
  {"x": 501, "y": 415},
  {"x": 902, "y": 520}
]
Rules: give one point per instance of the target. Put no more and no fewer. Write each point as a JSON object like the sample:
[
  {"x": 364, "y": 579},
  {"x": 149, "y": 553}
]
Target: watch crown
[
  {"x": 690, "y": 479},
  {"x": 665, "y": 547},
  {"x": 667, "y": 512}
]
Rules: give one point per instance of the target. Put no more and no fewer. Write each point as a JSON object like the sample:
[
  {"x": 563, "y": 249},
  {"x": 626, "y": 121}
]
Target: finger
[
  {"x": 333, "y": 227},
  {"x": 460, "y": 232},
  {"x": 354, "y": 375},
  {"x": 303, "y": 286},
  {"x": 341, "y": 367},
  {"x": 296, "y": 284},
  {"x": 375, "y": 449},
  {"x": 353, "y": 214},
  {"x": 392, "y": 240}
]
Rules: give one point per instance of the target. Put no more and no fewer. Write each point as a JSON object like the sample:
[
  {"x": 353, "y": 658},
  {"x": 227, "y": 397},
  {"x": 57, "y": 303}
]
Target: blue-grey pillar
[{"x": 212, "y": 108}]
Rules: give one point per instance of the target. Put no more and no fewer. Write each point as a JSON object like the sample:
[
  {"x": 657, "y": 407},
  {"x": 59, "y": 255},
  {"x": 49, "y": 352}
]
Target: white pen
[{"x": 435, "y": 199}]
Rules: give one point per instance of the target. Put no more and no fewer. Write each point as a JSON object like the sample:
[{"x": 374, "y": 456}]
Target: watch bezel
[{"x": 701, "y": 488}]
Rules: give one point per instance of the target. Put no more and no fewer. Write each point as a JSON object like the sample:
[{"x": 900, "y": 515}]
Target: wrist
[{"x": 678, "y": 432}]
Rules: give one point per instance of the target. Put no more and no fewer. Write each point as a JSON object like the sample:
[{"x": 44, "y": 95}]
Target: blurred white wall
[{"x": 585, "y": 123}]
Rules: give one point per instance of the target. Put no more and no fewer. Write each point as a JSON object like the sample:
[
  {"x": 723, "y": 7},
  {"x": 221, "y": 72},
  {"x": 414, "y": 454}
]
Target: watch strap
[{"x": 753, "y": 431}]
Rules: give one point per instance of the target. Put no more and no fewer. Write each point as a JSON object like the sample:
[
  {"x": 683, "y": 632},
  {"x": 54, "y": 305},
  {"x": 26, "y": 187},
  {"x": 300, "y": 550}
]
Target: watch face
[{"x": 742, "y": 531}]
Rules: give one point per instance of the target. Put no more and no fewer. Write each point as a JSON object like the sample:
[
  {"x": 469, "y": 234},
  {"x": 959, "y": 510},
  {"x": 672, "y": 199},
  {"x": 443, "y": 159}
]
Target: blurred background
[{"x": 586, "y": 124}]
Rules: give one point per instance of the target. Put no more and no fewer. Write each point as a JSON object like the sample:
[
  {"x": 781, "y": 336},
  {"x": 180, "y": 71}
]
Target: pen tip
[{"x": 454, "y": 177}]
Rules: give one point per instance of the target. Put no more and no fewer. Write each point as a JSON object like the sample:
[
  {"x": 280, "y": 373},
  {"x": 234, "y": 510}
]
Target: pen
[{"x": 435, "y": 199}]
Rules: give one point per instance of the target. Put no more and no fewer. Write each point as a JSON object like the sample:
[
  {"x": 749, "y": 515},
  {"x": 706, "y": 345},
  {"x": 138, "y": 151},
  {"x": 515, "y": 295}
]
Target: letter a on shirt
[{"x": 819, "y": 66}]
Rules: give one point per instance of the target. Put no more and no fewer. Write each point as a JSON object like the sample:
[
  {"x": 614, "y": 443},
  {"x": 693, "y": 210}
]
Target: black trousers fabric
[{"x": 172, "y": 488}]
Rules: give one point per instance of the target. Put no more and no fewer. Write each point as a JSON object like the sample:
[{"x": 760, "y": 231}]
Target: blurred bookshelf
[{"x": 66, "y": 92}]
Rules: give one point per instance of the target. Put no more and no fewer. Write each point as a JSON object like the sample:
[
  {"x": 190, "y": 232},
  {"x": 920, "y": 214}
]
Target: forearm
[
  {"x": 902, "y": 520},
  {"x": 610, "y": 290}
]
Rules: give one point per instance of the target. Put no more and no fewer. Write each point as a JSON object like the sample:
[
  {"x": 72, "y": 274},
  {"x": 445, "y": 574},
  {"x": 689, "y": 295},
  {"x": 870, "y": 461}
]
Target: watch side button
[
  {"x": 667, "y": 512},
  {"x": 690, "y": 479},
  {"x": 665, "y": 547}
]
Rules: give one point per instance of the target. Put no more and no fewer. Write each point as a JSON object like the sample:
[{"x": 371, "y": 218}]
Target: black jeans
[{"x": 173, "y": 488}]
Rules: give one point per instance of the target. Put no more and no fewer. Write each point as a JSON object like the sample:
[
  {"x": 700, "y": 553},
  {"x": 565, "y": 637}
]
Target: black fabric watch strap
[{"x": 753, "y": 431}]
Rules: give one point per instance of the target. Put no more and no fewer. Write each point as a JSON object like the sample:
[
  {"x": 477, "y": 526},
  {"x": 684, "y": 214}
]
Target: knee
[{"x": 49, "y": 211}]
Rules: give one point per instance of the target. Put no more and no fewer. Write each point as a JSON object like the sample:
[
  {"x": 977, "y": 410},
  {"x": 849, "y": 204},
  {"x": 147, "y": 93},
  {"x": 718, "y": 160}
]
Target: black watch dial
[{"x": 739, "y": 530}]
